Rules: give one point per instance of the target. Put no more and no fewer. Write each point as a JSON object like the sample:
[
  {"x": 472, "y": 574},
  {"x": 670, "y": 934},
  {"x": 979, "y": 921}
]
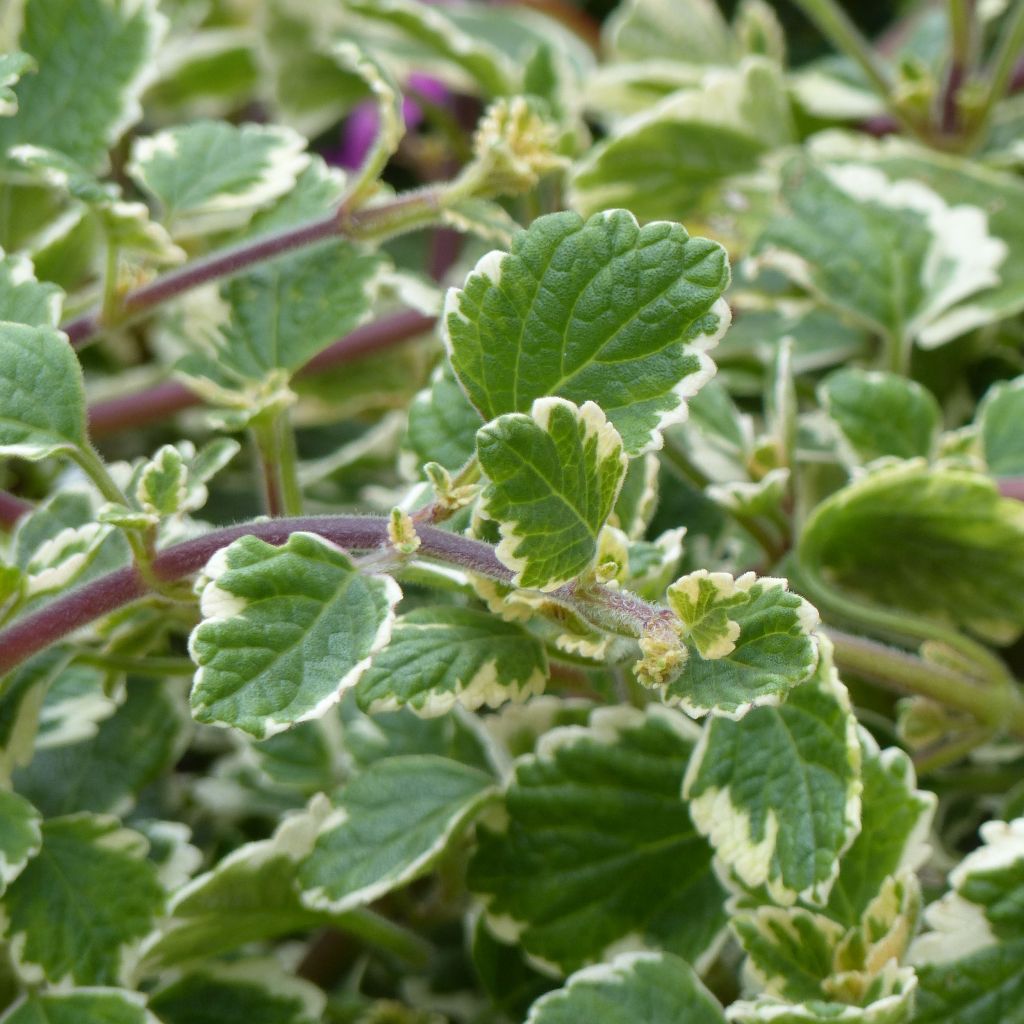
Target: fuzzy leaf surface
[
  {"x": 600, "y": 310},
  {"x": 656, "y": 988},
  {"x": 773, "y": 650},
  {"x": 83, "y": 903},
  {"x": 393, "y": 822},
  {"x": 554, "y": 477},
  {"x": 441, "y": 656},
  {"x": 42, "y": 397},
  {"x": 23, "y": 299},
  {"x": 776, "y": 792},
  {"x": 214, "y": 174},
  {"x": 600, "y": 846},
  {"x": 285, "y": 631},
  {"x": 93, "y": 58},
  {"x": 284, "y": 312}
]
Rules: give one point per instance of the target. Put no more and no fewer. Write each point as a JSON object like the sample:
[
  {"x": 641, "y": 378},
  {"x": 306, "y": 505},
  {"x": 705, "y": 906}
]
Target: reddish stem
[{"x": 58, "y": 619}]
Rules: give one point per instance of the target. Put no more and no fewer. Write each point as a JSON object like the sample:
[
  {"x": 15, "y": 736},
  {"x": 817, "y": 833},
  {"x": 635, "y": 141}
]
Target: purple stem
[{"x": 62, "y": 617}]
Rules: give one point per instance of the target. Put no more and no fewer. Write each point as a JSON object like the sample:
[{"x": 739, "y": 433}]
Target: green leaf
[
  {"x": 94, "y": 58},
  {"x": 22, "y": 693},
  {"x": 702, "y": 601},
  {"x": 656, "y": 988},
  {"x": 392, "y": 823},
  {"x": 691, "y": 31},
  {"x": 661, "y": 162},
  {"x": 554, "y": 477},
  {"x": 432, "y": 29},
  {"x": 983, "y": 987},
  {"x": 881, "y": 414},
  {"x": 88, "y": 1006},
  {"x": 250, "y": 895},
  {"x": 773, "y": 650},
  {"x": 599, "y": 847},
  {"x": 892, "y": 1003},
  {"x": 126, "y": 226},
  {"x": 245, "y": 992},
  {"x": 20, "y": 836},
  {"x": 42, "y": 397},
  {"x": 23, "y": 299},
  {"x": 895, "y": 823},
  {"x": 894, "y": 534},
  {"x": 971, "y": 962},
  {"x": 133, "y": 747},
  {"x": 78, "y": 911},
  {"x": 999, "y": 419},
  {"x": 960, "y": 182},
  {"x": 12, "y": 67},
  {"x": 600, "y": 310},
  {"x": 212, "y": 175},
  {"x": 890, "y": 253},
  {"x": 778, "y": 792},
  {"x": 441, "y": 656},
  {"x": 60, "y": 562},
  {"x": 638, "y": 499},
  {"x": 442, "y": 423},
  {"x": 285, "y": 631},
  {"x": 286, "y": 311},
  {"x": 790, "y": 950}
]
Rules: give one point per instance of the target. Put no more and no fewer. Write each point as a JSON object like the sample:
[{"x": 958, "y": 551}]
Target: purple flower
[{"x": 361, "y": 125}]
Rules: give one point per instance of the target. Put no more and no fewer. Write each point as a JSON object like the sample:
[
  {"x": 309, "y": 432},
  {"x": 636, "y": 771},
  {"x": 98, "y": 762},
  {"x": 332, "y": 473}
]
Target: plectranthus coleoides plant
[{"x": 511, "y": 517}]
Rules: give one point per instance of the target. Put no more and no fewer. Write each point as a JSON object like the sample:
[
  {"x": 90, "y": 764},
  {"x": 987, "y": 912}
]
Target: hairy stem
[
  {"x": 405, "y": 213},
  {"x": 274, "y": 439},
  {"x": 58, "y": 619},
  {"x": 999, "y": 706}
]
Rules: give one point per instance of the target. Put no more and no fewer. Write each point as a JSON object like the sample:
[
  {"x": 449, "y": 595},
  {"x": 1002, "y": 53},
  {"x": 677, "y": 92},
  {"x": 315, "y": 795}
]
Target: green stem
[
  {"x": 405, "y": 213},
  {"x": 898, "y": 626},
  {"x": 157, "y": 667},
  {"x": 275, "y": 444},
  {"x": 897, "y": 352},
  {"x": 836, "y": 25},
  {"x": 110, "y": 296},
  {"x": 1000, "y": 67},
  {"x": 376, "y": 930},
  {"x": 95, "y": 468},
  {"x": 949, "y": 751},
  {"x": 1000, "y": 707}
]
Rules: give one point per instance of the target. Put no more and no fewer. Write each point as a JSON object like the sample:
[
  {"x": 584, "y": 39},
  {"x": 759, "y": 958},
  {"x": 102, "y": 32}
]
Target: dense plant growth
[{"x": 438, "y": 586}]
